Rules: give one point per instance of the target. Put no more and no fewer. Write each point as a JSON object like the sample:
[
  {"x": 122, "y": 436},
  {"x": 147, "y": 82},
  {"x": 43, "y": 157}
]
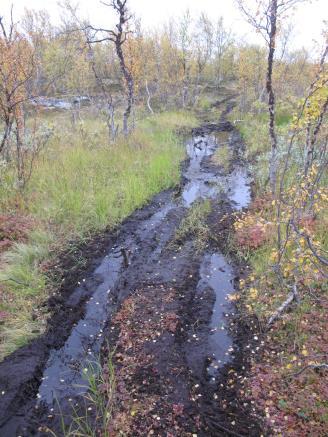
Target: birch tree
[
  {"x": 118, "y": 37},
  {"x": 266, "y": 16},
  {"x": 185, "y": 46}
]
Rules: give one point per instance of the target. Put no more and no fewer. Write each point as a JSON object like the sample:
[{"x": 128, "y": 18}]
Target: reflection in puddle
[
  {"x": 203, "y": 184},
  {"x": 239, "y": 188},
  {"x": 199, "y": 185},
  {"x": 63, "y": 375},
  {"x": 216, "y": 273}
]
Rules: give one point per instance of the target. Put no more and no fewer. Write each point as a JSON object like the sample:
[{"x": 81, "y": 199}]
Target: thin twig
[{"x": 322, "y": 366}]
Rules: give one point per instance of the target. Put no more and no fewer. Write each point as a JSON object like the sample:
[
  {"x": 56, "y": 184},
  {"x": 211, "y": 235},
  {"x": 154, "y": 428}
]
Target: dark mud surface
[{"x": 164, "y": 308}]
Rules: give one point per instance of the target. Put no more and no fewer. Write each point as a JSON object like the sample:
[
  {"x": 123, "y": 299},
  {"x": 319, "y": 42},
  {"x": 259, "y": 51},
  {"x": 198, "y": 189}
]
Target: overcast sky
[{"x": 307, "y": 20}]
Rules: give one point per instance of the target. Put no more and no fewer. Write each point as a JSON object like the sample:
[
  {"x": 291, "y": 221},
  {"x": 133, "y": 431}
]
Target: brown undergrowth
[
  {"x": 13, "y": 228},
  {"x": 145, "y": 328},
  {"x": 284, "y": 384}
]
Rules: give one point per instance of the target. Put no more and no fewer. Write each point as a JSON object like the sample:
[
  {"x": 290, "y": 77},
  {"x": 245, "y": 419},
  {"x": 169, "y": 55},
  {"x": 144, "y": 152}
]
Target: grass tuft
[{"x": 194, "y": 226}]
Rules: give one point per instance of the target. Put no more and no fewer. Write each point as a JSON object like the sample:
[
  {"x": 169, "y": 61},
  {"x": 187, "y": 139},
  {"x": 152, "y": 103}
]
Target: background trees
[
  {"x": 17, "y": 70},
  {"x": 173, "y": 66}
]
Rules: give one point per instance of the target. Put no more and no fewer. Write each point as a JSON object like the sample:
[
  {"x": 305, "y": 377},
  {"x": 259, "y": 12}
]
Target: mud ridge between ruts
[{"x": 172, "y": 392}]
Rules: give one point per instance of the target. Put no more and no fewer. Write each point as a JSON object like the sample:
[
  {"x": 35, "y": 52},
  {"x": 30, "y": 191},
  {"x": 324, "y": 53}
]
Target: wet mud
[{"x": 172, "y": 301}]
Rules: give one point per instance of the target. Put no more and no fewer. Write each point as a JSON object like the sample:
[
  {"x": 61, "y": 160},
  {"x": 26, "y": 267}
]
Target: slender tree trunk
[
  {"x": 185, "y": 82},
  {"x": 271, "y": 95},
  {"x": 118, "y": 38},
  {"x": 112, "y": 128},
  {"x": 148, "y": 99},
  {"x": 310, "y": 143},
  {"x": 130, "y": 87},
  {"x": 19, "y": 156},
  {"x": 218, "y": 73},
  {"x": 8, "y": 126}
]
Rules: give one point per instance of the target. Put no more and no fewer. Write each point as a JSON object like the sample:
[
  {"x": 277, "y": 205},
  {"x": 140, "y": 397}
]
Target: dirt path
[{"x": 162, "y": 302}]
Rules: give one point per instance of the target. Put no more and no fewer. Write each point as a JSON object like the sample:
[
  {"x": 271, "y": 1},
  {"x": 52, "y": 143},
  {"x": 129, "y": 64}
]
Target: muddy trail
[{"x": 155, "y": 292}]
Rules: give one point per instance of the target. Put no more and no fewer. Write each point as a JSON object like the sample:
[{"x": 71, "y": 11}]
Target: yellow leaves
[
  {"x": 286, "y": 271},
  {"x": 304, "y": 352},
  {"x": 253, "y": 293},
  {"x": 313, "y": 106},
  {"x": 233, "y": 297},
  {"x": 274, "y": 256},
  {"x": 17, "y": 64}
]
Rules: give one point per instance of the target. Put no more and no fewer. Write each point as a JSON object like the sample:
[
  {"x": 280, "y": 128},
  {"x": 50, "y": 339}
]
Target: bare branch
[
  {"x": 322, "y": 366},
  {"x": 293, "y": 296}
]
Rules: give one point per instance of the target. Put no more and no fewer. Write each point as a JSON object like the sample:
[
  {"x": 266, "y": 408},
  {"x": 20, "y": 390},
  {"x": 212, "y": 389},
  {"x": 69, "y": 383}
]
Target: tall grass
[
  {"x": 80, "y": 185},
  {"x": 92, "y": 185}
]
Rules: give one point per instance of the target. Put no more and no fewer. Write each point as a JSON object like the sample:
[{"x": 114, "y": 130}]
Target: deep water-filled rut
[{"x": 143, "y": 262}]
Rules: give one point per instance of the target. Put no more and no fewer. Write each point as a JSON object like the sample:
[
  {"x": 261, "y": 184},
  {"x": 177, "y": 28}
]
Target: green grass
[
  {"x": 222, "y": 156},
  {"x": 204, "y": 103},
  {"x": 254, "y": 130},
  {"x": 81, "y": 185},
  {"x": 100, "y": 403},
  {"x": 194, "y": 226}
]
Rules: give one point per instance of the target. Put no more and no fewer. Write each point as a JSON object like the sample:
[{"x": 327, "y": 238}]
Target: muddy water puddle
[
  {"x": 217, "y": 274},
  {"x": 65, "y": 369},
  {"x": 239, "y": 191},
  {"x": 205, "y": 184},
  {"x": 64, "y": 374},
  {"x": 200, "y": 184}
]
